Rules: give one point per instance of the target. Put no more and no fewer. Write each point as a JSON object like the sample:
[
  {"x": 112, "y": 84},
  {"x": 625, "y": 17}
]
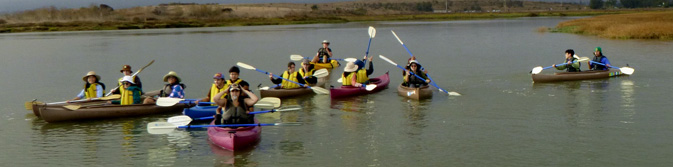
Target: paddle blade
[
  {"x": 321, "y": 73},
  {"x": 350, "y": 59},
  {"x": 115, "y": 96},
  {"x": 181, "y": 120},
  {"x": 167, "y": 101},
  {"x": 296, "y": 57},
  {"x": 388, "y": 60},
  {"x": 72, "y": 107},
  {"x": 340, "y": 80},
  {"x": 583, "y": 59},
  {"x": 454, "y": 94},
  {"x": 246, "y": 66},
  {"x": 372, "y": 32},
  {"x": 288, "y": 109},
  {"x": 319, "y": 90},
  {"x": 398, "y": 38},
  {"x": 627, "y": 70},
  {"x": 536, "y": 70},
  {"x": 160, "y": 127},
  {"x": 29, "y": 104},
  {"x": 273, "y": 101},
  {"x": 370, "y": 87},
  {"x": 264, "y": 88}
]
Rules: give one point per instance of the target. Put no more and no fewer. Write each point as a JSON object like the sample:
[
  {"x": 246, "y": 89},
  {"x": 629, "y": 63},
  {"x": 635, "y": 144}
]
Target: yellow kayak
[{"x": 332, "y": 64}]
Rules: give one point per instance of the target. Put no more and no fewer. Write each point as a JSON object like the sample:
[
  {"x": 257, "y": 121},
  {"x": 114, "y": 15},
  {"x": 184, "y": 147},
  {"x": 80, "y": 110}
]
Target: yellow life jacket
[
  {"x": 292, "y": 77},
  {"x": 346, "y": 80},
  {"x": 305, "y": 74},
  {"x": 362, "y": 76},
  {"x": 214, "y": 91},
  {"x": 91, "y": 92},
  {"x": 127, "y": 97},
  {"x": 226, "y": 85}
]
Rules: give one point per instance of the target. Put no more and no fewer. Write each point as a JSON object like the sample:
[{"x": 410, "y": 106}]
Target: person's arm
[
  {"x": 354, "y": 81},
  {"x": 80, "y": 95},
  {"x": 329, "y": 52},
  {"x": 606, "y": 62},
  {"x": 300, "y": 78},
  {"x": 276, "y": 80},
  {"x": 370, "y": 70},
  {"x": 221, "y": 101},
  {"x": 136, "y": 96},
  {"x": 563, "y": 67},
  {"x": 252, "y": 98},
  {"x": 99, "y": 91},
  {"x": 139, "y": 83}
]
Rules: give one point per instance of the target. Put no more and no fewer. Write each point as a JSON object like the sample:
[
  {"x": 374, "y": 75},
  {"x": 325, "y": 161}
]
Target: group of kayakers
[{"x": 572, "y": 63}]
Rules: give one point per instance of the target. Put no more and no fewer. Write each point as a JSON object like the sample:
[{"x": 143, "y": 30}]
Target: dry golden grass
[{"x": 647, "y": 25}]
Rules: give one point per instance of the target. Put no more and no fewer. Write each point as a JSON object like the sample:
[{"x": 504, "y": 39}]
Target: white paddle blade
[
  {"x": 160, "y": 127},
  {"x": 296, "y": 57},
  {"x": 274, "y": 101},
  {"x": 288, "y": 109},
  {"x": 167, "y": 101},
  {"x": 454, "y": 94},
  {"x": 246, "y": 66},
  {"x": 536, "y": 70},
  {"x": 388, "y": 60},
  {"x": 372, "y": 32},
  {"x": 264, "y": 105},
  {"x": 319, "y": 90},
  {"x": 627, "y": 70},
  {"x": 370, "y": 87},
  {"x": 398, "y": 38},
  {"x": 181, "y": 120},
  {"x": 350, "y": 59},
  {"x": 340, "y": 80},
  {"x": 583, "y": 59},
  {"x": 321, "y": 73},
  {"x": 264, "y": 88}
]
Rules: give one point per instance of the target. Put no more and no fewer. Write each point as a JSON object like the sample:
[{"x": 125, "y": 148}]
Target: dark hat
[
  {"x": 125, "y": 68},
  {"x": 218, "y": 76}
]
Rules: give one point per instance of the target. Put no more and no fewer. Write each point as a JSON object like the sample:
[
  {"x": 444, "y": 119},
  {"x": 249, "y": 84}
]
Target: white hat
[
  {"x": 128, "y": 79},
  {"x": 350, "y": 67},
  {"x": 325, "y": 41}
]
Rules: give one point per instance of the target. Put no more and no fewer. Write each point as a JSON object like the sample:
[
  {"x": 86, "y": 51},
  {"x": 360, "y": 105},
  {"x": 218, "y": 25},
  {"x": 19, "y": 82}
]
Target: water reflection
[{"x": 628, "y": 104}]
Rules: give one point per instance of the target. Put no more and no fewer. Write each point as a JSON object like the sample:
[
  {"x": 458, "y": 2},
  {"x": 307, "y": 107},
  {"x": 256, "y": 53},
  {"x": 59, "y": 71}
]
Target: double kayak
[
  {"x": 346, "y": 91},
  {"x": 574, "y": 76},
  {"x": 37, "y": 106},
  {"x": 332, "y": 64},
  {"x": 61, "y": 113},
  {"x": 235, "y": 139},
  {"x": 415, "y": 93}
]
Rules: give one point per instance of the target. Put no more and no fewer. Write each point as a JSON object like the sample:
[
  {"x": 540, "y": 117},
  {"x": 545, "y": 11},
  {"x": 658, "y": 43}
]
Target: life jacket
[
  {"x": 127, "y": 95},
  {"x": 415, "y": 80},
  {"x": 238, "y": 81},
  {"x": 305, "y": 74},
  {"x": 346, "y": 79},
  {"x": 91, "y": 92},
  {"x": 595, "y": 66},
  {"x": 292, "y": 77},
  {"x": 214, "y": 91},
  {"x": 569, "y": 66},
  {"x": 362, "y": 76},
  {"x": 168, "y": 89},
  {"x": 235, "y": 115}
]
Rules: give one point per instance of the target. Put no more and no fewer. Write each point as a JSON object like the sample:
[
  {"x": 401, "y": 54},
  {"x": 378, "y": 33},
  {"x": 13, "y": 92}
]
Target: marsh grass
[{"x": 646, "y": 25}]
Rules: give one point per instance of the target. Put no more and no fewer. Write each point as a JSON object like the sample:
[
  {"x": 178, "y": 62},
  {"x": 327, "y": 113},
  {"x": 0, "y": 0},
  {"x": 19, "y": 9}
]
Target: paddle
[
  {"x": 166, "y": 127},
  {"x": 318, "y": 74},
  {"x": 431, "y": 83},
  {"x": 369, "y": 87},
  {"x": 134, "y": 74},
  {"x": 317, "y": 90},
  {"x": 296, "y": 57},
  {"x": 267, "y": 102},
  {"x": 182, "y": 120},
  {"x": 625, "y": 70},
  {"x": 75, "y": 107},
  {"x": 539, "y": 69},
  {"x": 372, "y": 33}
]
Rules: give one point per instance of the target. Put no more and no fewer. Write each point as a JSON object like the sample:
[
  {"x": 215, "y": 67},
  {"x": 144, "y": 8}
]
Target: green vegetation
[{"x": 646, "y": 25}]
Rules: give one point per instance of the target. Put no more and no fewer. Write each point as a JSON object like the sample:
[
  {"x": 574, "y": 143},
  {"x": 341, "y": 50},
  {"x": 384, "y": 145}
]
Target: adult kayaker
[
  {"x": 126, "y": 70},
  {"x": 235, "y": 106},
  {"x": 217, "y": 87},
  {"x": 572, "y": 64},
  {"x": 363, "y": 74},
  {"x": 130, "y": 94},
  {"x": 350, "y": 77},
  {"x": 599, "y": 57},
  {"x": 412, "y": 81},
  {"x": 174, "y": 89},
  {"x": 290, "y": 74},
  {"x": 93, "y": 88},
  {"x": 324, "y": 54},
  {"x": 306, "y": 72}
]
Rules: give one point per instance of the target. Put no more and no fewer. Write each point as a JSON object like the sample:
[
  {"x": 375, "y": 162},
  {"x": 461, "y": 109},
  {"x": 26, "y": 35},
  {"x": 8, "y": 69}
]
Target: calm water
[{"x": 502, "y": 119}]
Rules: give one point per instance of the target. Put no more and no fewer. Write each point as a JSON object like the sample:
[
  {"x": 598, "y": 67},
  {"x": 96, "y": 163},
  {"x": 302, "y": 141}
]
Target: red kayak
[
  {"x": 345, "y": 91},
  {"x": 235, "y": 139}
]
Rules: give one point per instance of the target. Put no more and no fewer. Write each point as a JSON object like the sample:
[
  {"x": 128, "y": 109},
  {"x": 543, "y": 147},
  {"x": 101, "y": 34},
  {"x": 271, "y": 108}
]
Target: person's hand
[
  {"x": 88, "y": 99},
  {"x": 109, "y": 102},
  {"x": 427, "y": 81},
  {"x": 197, "y": 102},
  {"x": 407, "y": 72},
  {"x": 370, "y": 58},
  {"x": 270, "y": 75},
  {"x": 425, "y": 71},
  {"x": 554, "y": 65}
]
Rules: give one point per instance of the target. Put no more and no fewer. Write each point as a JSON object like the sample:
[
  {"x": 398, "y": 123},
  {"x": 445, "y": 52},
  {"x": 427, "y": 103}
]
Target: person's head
[
  {"x": 234, "y": 72},
  {"x": 290, "y": 67},
  {"x": 172, "y": 77},
  {"x": 234, "y": 91},
  {"x": 91, "y": 77},
  {"x": 218, "y": 79},
  {"x": 413, "y": 65},
  {"x": 305, "y": 63},
  {"x": 126, "y": 69},
  {"x": 325, "y": 43},
  {"x": 569, "y": 53},
  {"x": 350, "y": 67},
  {"x": 598, "y": 51},
  {"x": 244, "y": 85},
  {"x": 127, "y": 81},
  {"x": 360, "y": 63}
]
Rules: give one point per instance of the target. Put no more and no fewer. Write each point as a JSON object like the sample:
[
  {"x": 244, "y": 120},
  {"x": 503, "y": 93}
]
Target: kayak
[
  {"x": 38, "y": 106},
  {"x": 199, "y": 111},
  {"x": 60, "y": 113},
  {"x": 285, "y": 92},
  {"x": 332, "y": 64},
  {"x": 235, "y": 139},
  {"x": 345, "y": 91},
  {"x": 415, "y": 93},
  {"x": 574, "y": 76}
]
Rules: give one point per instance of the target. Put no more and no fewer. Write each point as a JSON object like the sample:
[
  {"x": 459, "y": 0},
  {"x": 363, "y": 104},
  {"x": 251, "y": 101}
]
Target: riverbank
[{"x": 644, "y": 25}]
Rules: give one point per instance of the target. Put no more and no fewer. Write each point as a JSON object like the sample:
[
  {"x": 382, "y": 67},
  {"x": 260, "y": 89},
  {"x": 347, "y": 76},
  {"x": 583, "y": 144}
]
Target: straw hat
[
  {"x": 414, "y": 61},
  {"x": 350, "y": 67},
  {"x": 126, "y": 68},
  {"x": 218, "y": 76},
  {"x": 90, "y": 73},
  {"x": 128, "y": 79},
  {"x": 171, "y": 73},
  {"x": 325, "y": 41}
]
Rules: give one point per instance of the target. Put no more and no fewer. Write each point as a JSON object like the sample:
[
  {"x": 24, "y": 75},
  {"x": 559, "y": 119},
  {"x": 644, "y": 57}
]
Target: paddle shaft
[
  {"x": 419, "y": 77},
  {"x": 412, "y": 55},
  {"x": 230, "y": 125},
  {"x": 267, "y": 73},
  {"x": 134, "y": 74}
]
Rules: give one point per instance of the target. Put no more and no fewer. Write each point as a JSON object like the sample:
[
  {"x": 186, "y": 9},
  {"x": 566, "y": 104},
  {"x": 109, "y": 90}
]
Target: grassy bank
[{"x": 645, "y": 25}]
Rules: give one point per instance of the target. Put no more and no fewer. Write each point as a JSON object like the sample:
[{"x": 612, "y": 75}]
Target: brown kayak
[
  {"x": 38, "y": 105},
  {"x": 574, "y": 76},
  {"x": 60, "y": 113},
  {"x": 285, "y": 92},
  {"x": 415, "y": 93}
]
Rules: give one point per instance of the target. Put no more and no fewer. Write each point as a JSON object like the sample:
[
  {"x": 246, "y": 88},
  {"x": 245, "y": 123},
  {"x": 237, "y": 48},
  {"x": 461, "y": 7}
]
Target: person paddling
[
  {"x": 324, "y": 54},
  {"x": 174, "y": 89},
  {"x": 412, "y": 81},
  {"x": 599, "y": 57},
  {"x": 363, "y": 74},
  {"x": 573, "y": 65},
  {"x": 349, "y": 77},
  {"x": 235, "y": 106},
  {"x": 93, "y": 88},
  {"x": 289, "y": 74},
  {"x": 130, "y": 94},
  {"x": 126, "y": 70},
  {"x": 217, "y": 87},
  {"x": 306, "y": 72}
]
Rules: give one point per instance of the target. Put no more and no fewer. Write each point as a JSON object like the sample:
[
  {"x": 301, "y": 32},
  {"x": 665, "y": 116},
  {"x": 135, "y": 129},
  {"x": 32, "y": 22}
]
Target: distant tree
[
  {"x": 630, "y": 3},
  {"x": 424, "y": 6},
  {"x": 314, "y": 7},
  {"x": 611, "y": 3},
  {"x": 596, "y": 4}
]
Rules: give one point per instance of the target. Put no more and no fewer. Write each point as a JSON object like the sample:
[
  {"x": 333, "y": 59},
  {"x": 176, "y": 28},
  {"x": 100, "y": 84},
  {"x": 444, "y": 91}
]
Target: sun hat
[
  {"x": 218, "y": 76},
  {"x": 234, "y": 87},
  {"x": 90, "y": 73},
  {"x": 414, "y": 61},
  {"x": 350, "y": 67},
  {"x": 126, "y": 68},
  {"x": 171, "y": 73},
  {"x": 305, "y": 62},
  {"x": 128, "y": 79},
  {"x": 325, "y": 41},
  {"x": 598, "y": 49}
]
